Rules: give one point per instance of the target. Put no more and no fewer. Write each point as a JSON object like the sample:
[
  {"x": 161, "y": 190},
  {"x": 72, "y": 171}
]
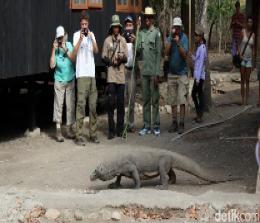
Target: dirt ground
[{"x": 42, "y": 164}]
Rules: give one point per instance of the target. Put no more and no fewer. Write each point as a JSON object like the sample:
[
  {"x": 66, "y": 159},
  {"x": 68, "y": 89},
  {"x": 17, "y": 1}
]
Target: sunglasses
[{"x": 148, "y": 17}]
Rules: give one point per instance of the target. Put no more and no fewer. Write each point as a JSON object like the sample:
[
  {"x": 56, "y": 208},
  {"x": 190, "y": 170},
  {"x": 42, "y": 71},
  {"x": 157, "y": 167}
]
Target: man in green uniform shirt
[{"x": 149, "y": 52}]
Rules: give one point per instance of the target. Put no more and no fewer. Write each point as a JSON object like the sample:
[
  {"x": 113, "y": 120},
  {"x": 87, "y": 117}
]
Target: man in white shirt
[
  {"x": 130, "y": 74},
  {"x": 85, "y": 46}
]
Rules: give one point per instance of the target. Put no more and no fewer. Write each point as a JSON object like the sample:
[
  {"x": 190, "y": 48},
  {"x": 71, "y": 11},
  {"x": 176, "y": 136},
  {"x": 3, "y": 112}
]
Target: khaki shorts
[{"x": 178, "y": 89}]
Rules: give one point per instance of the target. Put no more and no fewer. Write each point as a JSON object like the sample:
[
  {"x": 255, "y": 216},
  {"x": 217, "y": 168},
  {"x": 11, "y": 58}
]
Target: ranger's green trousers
[
  {"x": 151, "y": 98},
  {"x": 87, "y": 90}
]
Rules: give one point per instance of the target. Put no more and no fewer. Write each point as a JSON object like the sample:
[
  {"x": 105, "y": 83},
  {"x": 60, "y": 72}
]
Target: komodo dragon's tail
[{"x": 188, "y": 165}]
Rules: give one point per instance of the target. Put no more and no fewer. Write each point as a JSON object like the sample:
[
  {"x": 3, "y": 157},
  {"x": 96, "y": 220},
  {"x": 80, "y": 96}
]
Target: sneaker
[
  {"x": 181, "y": 128},
  {"x": 156, "y": 131},
  {"x": 145, "y": 131},
  {"x": 80, "y": 141},
  {"x": 59, "y": 137},
  {"x": 174, "y": 127},
  {"x": 94, "y": 140}
]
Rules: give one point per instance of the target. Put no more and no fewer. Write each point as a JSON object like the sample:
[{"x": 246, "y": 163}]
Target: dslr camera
[
  {"x": 127, "y": 35},
  {"x": 85, "y": 32},
  {"x": 59, "y": 41}
]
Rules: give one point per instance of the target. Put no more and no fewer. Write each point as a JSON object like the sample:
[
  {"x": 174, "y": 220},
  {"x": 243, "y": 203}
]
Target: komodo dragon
[{"x": 141, "y": 164}]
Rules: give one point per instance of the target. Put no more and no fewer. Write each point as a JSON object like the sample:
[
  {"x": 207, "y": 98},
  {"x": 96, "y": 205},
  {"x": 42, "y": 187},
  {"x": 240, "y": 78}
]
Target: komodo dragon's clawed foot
[{"x": 114, "y": 186}]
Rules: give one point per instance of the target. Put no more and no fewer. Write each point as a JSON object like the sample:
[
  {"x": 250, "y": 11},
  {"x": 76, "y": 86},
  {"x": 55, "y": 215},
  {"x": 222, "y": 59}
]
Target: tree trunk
[{"x": 210, "y": 33}]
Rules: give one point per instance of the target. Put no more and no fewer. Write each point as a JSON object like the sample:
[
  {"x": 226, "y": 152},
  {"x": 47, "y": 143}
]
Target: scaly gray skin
[{"x": 145, "y": 164}]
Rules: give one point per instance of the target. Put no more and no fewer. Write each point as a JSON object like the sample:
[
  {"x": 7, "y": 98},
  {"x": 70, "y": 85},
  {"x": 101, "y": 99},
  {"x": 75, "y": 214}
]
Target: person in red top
[{"x": 237, "y": 24}]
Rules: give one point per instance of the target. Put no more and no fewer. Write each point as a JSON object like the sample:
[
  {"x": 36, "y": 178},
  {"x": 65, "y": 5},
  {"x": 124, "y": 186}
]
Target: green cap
[{"x": 115, "y": 21}]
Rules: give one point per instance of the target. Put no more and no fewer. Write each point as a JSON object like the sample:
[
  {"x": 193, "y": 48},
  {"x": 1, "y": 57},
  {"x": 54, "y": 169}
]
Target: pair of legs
[
  {"x": 64, "y": 90},
  {"x": 116, "y": 100},
  {"x": 131, "y": 95},
  {"x": 245, "y": 79},
  {"x": 178, "y": 89},
  {"x": 151, "y": 96},
  {"x": 86, "y": 91},
  {"x": 198, "y": 98}
]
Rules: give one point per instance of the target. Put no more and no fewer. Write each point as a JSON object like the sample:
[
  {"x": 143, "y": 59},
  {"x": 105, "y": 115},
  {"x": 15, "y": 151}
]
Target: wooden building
[{"x": 27, "y": 29}]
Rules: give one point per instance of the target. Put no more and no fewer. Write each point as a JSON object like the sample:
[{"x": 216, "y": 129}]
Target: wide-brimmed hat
[
  {"x": 199, "y": 30},
  {"x": 60, "y": 32},
  {"x": 177, "y": 21},
  {"x": 115, "y": 21},
  {"x": 149, "y": 11}
]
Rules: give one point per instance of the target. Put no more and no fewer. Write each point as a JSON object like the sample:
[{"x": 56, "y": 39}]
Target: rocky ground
[{"x": 45, "y": 181}]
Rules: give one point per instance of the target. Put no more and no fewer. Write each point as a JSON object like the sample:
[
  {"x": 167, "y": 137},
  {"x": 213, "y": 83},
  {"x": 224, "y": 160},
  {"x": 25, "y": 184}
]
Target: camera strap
[{"x": 114, "y": 51}]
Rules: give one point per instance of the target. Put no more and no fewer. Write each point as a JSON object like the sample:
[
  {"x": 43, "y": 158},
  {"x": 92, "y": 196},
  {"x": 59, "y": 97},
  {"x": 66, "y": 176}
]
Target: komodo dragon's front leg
[
  {"x": 116, "y": 184},
  {"x": 128, "y": 170}
]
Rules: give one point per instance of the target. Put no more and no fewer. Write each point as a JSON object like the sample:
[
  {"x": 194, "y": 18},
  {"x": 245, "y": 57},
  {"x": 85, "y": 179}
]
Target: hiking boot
[
  {"x": 156, "y": 131},
  {"x": 110, "y": 136},
  {"x": 80, "y": 141},
  {"x": 181, "y": 128},
  {"x": 59, "y": 137},
  {"x": 94, "y": 140},
  {"x": 174, "y": 127},
  {"x": 145, "y": 131},
  {"x": 70, "y": 132},
  {"x": 198, "y": 120}
]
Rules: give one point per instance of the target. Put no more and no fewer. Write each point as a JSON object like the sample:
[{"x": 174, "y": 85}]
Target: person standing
[
  {"x": 64, "y": 85},
  {"x": 131, "y": 78},
  {"x": 177, "y": 48},
  {"x": 114, "y": 55},
  {"x": 237, "y": 24},
  {"x": 85, "y": 46},
  {"x": 246, "y": 52},
  {"x": 199, "y": 73},
  {"x": 149, "y": 51}
]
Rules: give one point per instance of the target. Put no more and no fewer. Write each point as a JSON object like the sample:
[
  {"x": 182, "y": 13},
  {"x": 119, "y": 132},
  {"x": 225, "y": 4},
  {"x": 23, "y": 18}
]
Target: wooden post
[{"x": 257, "y": 191}]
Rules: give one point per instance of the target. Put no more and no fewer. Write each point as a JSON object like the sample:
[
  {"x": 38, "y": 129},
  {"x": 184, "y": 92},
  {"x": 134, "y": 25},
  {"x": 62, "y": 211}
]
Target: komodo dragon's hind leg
[
  {"x": 164, "y": 169},
  {"x": 116, "y": 184},
  {"x": 172, "y": 176}
]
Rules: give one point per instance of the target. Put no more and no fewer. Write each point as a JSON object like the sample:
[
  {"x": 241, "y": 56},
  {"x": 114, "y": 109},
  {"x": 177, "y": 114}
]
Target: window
[
  {"x": 85, "y": 4},
  {"x": 122, "y": 5},
  {"x": 95, "y": 3},
  {"x": 79, "y": 4},
  {"x": 129, "y": 6}
]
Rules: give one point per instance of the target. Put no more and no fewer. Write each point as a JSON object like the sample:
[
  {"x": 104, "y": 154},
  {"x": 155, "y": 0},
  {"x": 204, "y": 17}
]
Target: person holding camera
[
  {"x": 130, "y": 73},
  {"x": 178, "y": 82},
  {"x": 149, "y": 59},
  {"x": 64, "y": 85},
  {"x": 199, "y": 60},
  {"x": 85, "y": 46},
  {"x": 114, "y": 55}
]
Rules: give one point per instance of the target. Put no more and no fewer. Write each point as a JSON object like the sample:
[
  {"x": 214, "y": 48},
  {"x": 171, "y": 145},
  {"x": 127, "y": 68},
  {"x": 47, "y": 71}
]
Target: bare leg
[
  {"x": 174, "y": 113},
  {"x": 242, "y": 72},
  {"x": 247, "y": 79}
]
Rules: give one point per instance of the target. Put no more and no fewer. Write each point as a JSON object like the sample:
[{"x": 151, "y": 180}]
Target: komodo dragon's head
[{"x": 102, "y": 172}]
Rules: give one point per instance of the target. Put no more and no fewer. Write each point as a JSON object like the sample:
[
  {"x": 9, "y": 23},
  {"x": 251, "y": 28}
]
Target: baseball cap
[
  {"x": 60, "y": 31},
  {"x": 177, "y": 21}
]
